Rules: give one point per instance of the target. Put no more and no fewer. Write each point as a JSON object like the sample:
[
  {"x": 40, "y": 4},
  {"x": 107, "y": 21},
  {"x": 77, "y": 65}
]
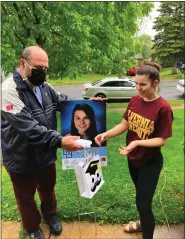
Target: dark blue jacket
[{"x": 28, "y": 130}]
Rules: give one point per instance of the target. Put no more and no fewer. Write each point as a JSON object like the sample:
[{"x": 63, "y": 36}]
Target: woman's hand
[
  {"x": 100, "y": 138},
  {"x": 126, "y": 150}
]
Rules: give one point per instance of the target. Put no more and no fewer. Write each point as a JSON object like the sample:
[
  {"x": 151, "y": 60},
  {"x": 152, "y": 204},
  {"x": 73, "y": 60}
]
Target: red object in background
[{"x": 132, "y": 71}]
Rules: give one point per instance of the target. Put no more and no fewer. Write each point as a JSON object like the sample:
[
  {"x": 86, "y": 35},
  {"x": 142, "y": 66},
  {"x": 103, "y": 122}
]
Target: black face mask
[{"x": 38, "y": 76}]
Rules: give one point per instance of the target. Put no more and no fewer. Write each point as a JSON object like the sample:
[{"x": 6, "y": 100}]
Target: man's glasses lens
[{"x": 41, "y": 67}]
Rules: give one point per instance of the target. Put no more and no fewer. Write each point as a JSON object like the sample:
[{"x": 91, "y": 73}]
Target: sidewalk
[{"x": 10, "y": 230}]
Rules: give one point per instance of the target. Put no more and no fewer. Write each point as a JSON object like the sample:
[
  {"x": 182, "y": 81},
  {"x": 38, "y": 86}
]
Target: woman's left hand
[
  {"x": 126, "y": 150},
  {"x": 98, "y": 98}
]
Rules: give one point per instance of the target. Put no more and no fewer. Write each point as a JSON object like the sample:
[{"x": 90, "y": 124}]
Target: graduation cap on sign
[
  {"x": 94, "y": 171},
  {"x": 93, "y": 167}
]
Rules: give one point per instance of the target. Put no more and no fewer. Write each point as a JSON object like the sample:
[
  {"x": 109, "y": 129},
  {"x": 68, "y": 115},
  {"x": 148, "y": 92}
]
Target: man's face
[{"x": 38, "y": 60}]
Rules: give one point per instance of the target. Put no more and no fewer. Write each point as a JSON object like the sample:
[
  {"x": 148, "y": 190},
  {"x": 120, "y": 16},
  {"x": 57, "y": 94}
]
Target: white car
[
  {"x": 111, "y": 88},
  {"x": 180, "y": 86}
]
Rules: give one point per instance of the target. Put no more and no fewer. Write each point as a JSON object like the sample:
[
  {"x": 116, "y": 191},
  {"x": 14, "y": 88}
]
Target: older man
[{"x": 30, "y": 140}]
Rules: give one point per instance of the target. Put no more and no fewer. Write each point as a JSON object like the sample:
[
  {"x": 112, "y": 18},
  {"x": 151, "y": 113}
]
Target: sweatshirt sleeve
[{"x": 15, "y": 113}]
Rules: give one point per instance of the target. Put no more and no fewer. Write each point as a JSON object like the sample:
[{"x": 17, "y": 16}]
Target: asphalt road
[{"x": 167, "y": 90}]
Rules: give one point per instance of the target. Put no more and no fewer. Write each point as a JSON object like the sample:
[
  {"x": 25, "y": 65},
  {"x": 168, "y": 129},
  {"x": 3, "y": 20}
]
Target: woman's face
[
  {"x": 145, "y": 87},
  {"x": 81, "y": 121}
]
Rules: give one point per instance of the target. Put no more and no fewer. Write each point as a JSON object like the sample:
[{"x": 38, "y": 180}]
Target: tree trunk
[
  {"x": 40, "y": 41},
  {"x": 174, "y": 68}
]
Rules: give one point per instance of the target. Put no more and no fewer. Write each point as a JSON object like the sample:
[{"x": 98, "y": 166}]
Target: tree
[
  {"x": 143, "y": 46},
  {"x": 169, "y": 41},
  {"x": 79, "y": 36}
]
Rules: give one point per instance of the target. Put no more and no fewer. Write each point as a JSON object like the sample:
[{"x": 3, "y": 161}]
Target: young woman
[
  {"x": 83, "y": 123},
  {"x": 148, "y": 122}
]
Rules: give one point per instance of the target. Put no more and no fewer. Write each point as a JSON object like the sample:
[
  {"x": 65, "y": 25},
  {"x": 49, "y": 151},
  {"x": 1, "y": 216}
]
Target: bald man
[{"x": 30, "y": 140}]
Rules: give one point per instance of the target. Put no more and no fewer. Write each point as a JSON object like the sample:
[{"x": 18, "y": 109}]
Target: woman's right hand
[{"x": 100, "y": 138}]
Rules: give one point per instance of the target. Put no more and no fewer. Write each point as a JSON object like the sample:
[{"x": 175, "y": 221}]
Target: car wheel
[{"x": 101, "y": 95}]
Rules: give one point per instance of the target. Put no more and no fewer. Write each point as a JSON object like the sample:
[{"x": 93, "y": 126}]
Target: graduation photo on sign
[{"x": 84, "y": 118}]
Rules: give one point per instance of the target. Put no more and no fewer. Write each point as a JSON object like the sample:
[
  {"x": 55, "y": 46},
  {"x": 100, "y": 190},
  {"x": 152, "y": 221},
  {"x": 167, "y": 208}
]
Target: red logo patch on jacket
[{"x": 9, "y": 107}]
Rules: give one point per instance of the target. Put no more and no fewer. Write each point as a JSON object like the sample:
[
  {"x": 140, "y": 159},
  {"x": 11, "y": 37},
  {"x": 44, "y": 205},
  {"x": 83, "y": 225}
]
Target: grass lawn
[
  {"x": 115, "y": 202},
  {"x": 175, "y": 103},
  {"x": 79, "y": 81},
  {"x": 166, "y": 74}
]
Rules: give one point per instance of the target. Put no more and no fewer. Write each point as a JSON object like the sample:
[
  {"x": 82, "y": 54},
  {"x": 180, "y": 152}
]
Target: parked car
[
  {"x": 132, "y": 71},
  {"x": 181, "y": 68},
  {"x": 111, "y": 88},
  {"x": 180, "y": 86}
]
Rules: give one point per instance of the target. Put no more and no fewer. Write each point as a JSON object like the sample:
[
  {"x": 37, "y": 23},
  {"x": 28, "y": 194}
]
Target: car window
[
  {"x": 96, "y": 82},
  {"x": 111, "y": 83},
  {"x": 126, "y": 84}
]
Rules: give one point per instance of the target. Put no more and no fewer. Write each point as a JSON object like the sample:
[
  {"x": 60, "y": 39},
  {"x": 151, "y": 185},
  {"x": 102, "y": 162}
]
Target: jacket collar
[{"x": 20, "y": 82}]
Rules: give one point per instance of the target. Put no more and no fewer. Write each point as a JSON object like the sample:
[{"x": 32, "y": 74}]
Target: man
[{"x": 30, "y": 140}]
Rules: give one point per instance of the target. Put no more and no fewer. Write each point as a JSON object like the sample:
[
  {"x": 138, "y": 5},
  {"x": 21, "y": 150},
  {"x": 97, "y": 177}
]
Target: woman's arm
[
  {"x": 155, "y": 142},
  {"x": 117, "y": 130}
]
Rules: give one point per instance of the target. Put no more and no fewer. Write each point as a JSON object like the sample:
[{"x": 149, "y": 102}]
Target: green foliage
[
  {"x": 180, "y": 75},
  {"x": 169, "y": 40},
  {"x": 165, "y": 75},
  {"x": 80, "y": 37},
  {"x": 143, "y": 46},
  {"x": 115, "y": 201}
]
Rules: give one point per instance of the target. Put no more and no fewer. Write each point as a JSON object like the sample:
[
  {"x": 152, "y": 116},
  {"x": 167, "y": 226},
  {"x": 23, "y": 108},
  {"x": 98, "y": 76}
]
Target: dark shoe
[
  {"x": 38, "y": 234},
  {"x": 54, "y": 224}
]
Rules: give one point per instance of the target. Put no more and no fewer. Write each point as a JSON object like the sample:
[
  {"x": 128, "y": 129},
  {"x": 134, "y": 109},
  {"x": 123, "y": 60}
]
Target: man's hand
[
  {"x": 98, "y": 98},
  {"x": 68, "y": 143},
  {"x": 100, "y": 138}
]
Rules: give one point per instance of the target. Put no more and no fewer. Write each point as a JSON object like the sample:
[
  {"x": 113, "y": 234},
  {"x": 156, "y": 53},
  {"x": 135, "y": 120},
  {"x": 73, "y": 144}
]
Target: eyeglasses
[
  {"x": 37, "y": 67},
  {"x": 41, "y": 67}
]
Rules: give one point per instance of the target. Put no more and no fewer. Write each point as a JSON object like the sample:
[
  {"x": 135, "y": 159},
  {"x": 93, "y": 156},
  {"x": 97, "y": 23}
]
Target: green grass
[
  {"x": 176, "y": 102},
  {"x": 117, "y": 105},
  {"x": 166, "y": 74},
  {"x": 115, "y": 201},
  {"x": 79, "y": 81},
  {"x": 173, "y": 103}
]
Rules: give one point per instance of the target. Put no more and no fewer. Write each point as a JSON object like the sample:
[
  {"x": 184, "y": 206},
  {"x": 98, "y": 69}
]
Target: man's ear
[{"x": 21, "y": 63}]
